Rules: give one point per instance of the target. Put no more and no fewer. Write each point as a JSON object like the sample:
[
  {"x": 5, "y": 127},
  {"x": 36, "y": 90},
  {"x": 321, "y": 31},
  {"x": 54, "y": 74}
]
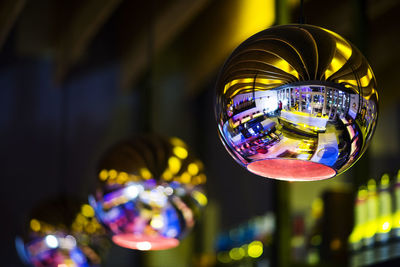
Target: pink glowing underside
[
  {"x": 136, "y": 241},
  {"x": 291, "y": 169}
]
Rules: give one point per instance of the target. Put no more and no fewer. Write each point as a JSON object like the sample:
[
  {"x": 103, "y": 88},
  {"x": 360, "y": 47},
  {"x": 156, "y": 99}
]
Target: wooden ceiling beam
[
  {"x": 9, "y": 12},
  {"x": 85, "y": 23}
]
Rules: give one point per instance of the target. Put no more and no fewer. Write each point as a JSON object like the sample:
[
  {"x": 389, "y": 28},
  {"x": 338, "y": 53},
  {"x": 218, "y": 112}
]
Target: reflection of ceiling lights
[
  {"x": 150, "y": 192},
  {"x": 296, "y": 102}
]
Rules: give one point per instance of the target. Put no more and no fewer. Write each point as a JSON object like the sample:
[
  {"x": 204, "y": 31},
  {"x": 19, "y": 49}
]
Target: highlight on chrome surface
[
  {"x": 296, "y": 102},
  {"x": 63, "y": 232},
  {"x": 150, "y": 192}
]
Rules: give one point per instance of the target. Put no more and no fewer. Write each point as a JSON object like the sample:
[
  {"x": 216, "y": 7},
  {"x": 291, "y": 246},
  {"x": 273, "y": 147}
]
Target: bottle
[
  {"x": 371, "y": 224},
  {"x": 360, "y": 217},
  {"x": 396, "y": 208},
  {"x": 385, "y": 210}
]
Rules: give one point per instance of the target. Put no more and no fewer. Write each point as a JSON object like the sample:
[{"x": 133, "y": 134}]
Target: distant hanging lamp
[
  {"x": 62, "y": 232},
  {"x": 296, "y": 102},
  {"x": 150, "y": 192}
]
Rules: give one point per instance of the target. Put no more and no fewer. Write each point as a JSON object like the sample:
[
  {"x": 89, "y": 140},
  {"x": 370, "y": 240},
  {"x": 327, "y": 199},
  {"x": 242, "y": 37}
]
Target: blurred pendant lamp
[
  {"x": 149, "y": 193},
  {"x": 62, "y": 231},
  {"x": 296, "y": 102}
]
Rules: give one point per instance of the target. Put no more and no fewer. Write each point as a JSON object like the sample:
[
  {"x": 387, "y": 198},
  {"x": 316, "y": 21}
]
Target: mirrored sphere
[
  {"x": 296, "y": 102},
  {"x": 149, "y": 193},
  {"x": 63, "y": 232}
]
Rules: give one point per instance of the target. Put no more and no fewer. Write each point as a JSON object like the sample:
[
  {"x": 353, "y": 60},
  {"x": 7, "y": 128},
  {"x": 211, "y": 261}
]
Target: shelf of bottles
[{"x": 375, "y": 237}]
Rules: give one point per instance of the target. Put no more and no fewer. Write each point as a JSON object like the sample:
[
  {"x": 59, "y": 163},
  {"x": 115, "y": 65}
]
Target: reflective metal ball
[
  {"x": 63, "y": 232},
  {"x": 296, "y": 102},
  {"x": 149, "y": 193}
]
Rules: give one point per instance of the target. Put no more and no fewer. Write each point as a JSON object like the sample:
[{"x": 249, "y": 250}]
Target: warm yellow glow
[
  {"x": 233, "y": 82},
  {"x": 281, "y": 63},
  {"x": 185, "y": 178},
  {"x": 362, "y": 193},
  {"x": 255, "y": 249},
  {"x": 336, "y": 244},
  {"x": 357, "y": 234},
  {"x": 344, "y": 48},
  {"x": 396, "y": 219},
  {"x": 175, "y": 141},
  {"x": 317, "y": 208},
  {"x": 90, "y": 228},
  {"x": 193, "y": 169},
  {"x": 35, "y": 225},
  {"x": 336, "y": 63},
  {"x": 112, "y": 174},
  {"x": 167, "y": 175},
  {"x": 103, "y": 175},
  {"x": 385, "y": 180},
  {"x": 371, "y": 185},
  {"x": 180, "y": 152},
  {"x": 174, "y": 165},
  {"x": 122, "y": 178},
  {"x": 157, "y": 222},
  {"x": 200, "y": 198},
  {"x": 252, "y": 17},
  {"x": 386, "y": 226},
  {"x": 145, "y": 173},
  {"x": 285, "y": 66},
  {"x": 370, "y": 228},
  {"x": 87, "y": 210},
  {"x": 236, "y": 254}
]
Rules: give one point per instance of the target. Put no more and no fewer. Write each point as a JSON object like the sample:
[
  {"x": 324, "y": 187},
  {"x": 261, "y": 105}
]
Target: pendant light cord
[
  {"x": 302, "y": 19},
  {"x": 148, "y": 88},
  {"x": 63, "y": 158}
]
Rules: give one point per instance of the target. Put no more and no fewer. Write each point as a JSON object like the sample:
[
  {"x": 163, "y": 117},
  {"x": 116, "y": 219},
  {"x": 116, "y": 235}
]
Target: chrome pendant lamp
[
  {"x": 296, "y": 102},
  {"x": 149, "y": 192},
  {"x": 63, "y": 232}
]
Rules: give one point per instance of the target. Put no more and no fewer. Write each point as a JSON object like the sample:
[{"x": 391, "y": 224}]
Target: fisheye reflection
[{"x": 316, "y": 123}]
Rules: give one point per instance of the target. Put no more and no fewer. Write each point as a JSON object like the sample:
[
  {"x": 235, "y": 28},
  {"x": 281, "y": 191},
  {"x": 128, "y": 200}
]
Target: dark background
[{"x": 77, "y": 76}]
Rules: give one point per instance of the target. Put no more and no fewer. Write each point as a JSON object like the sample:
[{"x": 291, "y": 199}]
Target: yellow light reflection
[
  {"x": 112, "y": 174},
  {"x": 167, "y": 175},
  {"x": 185, "y": 178},
  {"x": 255, "y": 249},
  {"x": 175, "y": 141},
  {"x": 103, "y": 175},
  {"x": 174, "y": 165},
  {"x": 193, "y": 169},
  {"x": 236, "y": 254},
  {"x": 87, "y": 211},
  {"x": 200, "y": 198},
  {"x": 35, "y": 225},
  {"x": 180, "y": 152},
  {"x": 122, "y": 178},
  {"x": 157, "y": 222},
  {"x": 145, "y": 173}
]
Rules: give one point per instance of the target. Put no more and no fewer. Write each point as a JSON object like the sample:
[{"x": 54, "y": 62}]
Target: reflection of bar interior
[{"x": 318, "y": 101}]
